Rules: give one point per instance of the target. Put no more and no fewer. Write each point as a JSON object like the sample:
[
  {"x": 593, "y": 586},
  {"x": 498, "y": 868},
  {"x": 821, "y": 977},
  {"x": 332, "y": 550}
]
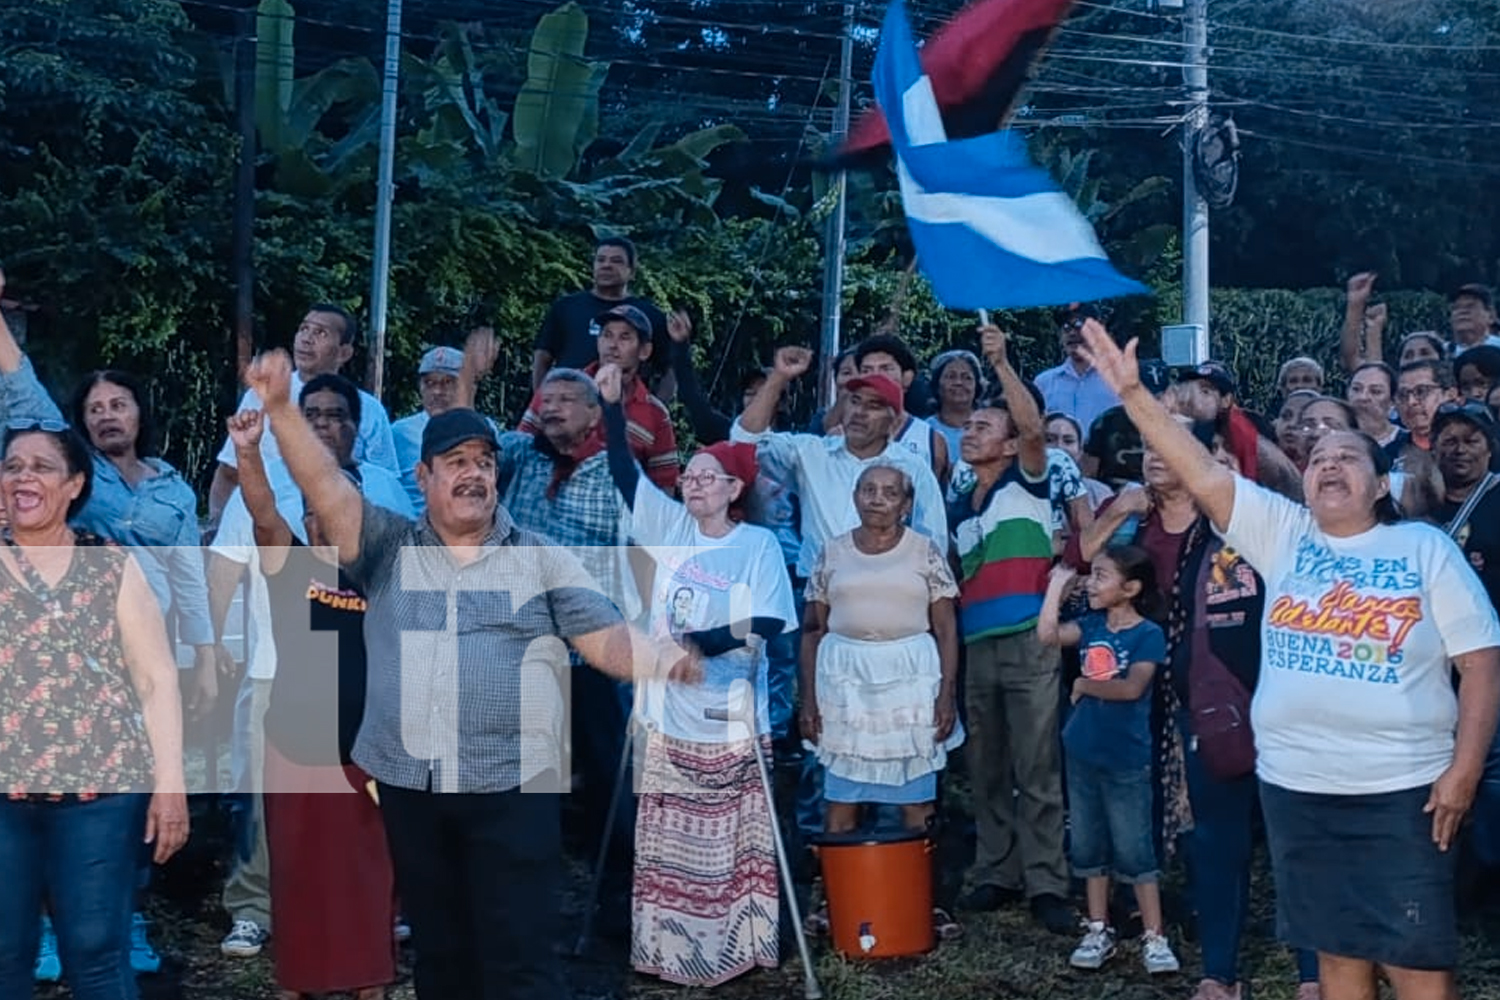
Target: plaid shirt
[
  {"x": 648, "y": 426},
  {"x": 585, "y": 513},
  {"x": 464, "y": 661}
]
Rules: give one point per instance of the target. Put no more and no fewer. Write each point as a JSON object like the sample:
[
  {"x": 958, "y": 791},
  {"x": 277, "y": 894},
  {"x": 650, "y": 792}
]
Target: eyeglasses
[
  {"x": 702, "y": 478},
  {"x": 47, "y": 426},
  {"x": 1417, "y": 393}
]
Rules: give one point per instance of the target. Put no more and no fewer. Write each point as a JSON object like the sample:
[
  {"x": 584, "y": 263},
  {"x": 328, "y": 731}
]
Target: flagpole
[
  {"x": 1194, "y": 207},
  {"x": 833, "y": 246}
]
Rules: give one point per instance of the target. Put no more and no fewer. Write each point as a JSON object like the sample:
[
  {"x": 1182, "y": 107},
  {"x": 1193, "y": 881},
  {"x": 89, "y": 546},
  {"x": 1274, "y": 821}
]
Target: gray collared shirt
[{"x": 465, "y": 661}]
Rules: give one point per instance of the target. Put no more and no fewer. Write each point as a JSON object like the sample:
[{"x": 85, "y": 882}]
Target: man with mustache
[{"x": 469, "y": 618}]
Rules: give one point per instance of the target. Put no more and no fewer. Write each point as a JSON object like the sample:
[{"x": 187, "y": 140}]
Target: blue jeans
[
  {"x": 1218, "y": 857},
  {"x": 1486, "y": 829},
  {"x": 1110, "y": 817},
  {"x": 783, "y": 655},
  {"x": 82, "y": 857}
]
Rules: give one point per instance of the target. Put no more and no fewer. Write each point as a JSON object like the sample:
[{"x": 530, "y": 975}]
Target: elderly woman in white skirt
[{"x": 880, "y": 660}]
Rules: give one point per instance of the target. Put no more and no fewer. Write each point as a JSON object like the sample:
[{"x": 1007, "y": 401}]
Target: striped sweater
[{"x": 1005, "y": 552}]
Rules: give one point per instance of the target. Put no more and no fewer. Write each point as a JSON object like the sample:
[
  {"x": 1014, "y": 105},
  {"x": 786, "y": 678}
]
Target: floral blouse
[{"x": 70, "y": 720}]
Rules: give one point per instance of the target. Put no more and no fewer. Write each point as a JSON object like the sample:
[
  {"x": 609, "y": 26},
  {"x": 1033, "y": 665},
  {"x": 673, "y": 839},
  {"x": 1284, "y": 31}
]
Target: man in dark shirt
[{"x": 571, "y": 327}]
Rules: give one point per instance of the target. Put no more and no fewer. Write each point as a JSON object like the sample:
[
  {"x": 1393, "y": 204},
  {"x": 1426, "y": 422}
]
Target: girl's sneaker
[
  {"x": 1156, "y": 954},
  {"x": 1096, "y": 948}
]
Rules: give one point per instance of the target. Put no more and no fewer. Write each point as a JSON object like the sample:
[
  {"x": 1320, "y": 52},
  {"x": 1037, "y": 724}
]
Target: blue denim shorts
[{"x": 1109, "y": 821}]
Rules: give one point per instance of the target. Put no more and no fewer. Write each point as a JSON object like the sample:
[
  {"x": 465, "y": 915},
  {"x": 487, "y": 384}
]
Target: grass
[{"x": 1001, "y": 955}]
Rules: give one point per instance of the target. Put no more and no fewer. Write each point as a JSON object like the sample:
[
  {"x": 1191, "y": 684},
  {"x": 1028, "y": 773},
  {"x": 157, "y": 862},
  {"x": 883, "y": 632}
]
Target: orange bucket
[{"x": 879, "y": 889}]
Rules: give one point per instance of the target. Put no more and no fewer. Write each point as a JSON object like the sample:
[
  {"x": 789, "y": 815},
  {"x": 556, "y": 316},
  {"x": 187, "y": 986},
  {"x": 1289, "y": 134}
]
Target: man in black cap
[
  {"x": 1471, "y": 317},
  {"x": 1112, "y": 451},
  {"x": 1209, "y": 396},
  {"x": 468, "y": 626}
]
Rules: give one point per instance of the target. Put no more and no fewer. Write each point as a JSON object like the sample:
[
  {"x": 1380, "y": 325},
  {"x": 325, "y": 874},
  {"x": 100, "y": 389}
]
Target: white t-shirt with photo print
[{"x": 1355, "y": 694}]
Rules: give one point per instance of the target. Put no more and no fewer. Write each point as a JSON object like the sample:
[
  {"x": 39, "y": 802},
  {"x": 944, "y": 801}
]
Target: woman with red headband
[{"x": 705, "y": 900}]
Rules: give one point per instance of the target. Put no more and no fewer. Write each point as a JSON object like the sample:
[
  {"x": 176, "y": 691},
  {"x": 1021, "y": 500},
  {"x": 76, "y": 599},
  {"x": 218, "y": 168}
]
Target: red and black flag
[{"x": 977, "y": 62}]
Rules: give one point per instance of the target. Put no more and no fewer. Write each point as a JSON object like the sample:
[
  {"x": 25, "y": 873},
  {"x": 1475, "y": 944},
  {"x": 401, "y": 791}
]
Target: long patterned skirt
[{"x": 704, "y": 903}]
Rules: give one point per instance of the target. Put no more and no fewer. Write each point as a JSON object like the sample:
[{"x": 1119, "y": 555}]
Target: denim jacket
[{"x": 157, "y": 519}]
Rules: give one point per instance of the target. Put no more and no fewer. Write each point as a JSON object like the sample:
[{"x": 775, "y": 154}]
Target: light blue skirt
[{"x": 918, "y": 790}]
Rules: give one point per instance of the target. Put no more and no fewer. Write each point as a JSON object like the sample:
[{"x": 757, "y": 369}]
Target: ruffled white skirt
[{"x": 877, "y": 701}]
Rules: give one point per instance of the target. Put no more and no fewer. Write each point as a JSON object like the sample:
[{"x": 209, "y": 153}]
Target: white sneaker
[
  {"x": 244, "y": 940},
  {"x": 1156, "y": 954},
  {"x": 1096, "y": 947}
]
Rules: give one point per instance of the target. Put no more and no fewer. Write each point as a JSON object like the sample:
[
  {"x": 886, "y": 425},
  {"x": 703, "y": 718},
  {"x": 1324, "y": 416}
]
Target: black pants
[{"x": 479, "y": 878}]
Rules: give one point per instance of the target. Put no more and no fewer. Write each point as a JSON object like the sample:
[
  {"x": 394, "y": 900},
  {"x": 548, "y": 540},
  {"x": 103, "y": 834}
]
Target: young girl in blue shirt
[{"x": 1107, "y": 744}]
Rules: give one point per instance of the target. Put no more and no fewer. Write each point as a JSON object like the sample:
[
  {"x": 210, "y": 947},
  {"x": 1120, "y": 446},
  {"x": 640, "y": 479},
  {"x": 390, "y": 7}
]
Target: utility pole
[
  {"x": 242, "y": 231},
  {"x": 385, "y": 194},
  {"x": 1194, "y": 207},
  {"x": 833, "y": 245}
]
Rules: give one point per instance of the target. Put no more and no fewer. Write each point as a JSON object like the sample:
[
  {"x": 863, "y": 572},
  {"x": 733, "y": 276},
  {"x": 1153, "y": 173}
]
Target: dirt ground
[{"x": 1001, "y": 955}]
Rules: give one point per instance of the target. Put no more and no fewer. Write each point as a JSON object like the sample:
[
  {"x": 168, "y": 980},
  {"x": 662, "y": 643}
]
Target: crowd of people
[{"x": 1140, "y": 613}]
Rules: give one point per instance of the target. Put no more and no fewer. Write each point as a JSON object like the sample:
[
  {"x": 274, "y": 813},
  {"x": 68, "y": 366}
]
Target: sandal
[
  {"x": 815, "y": 924},
  {"x": 944, "y": 926}
]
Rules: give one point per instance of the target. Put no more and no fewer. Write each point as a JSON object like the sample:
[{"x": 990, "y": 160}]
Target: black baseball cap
[
  {"x": 630, "y": 314},
  {"x": 1212, "y": 372},
  {"x": 1474, "y": 290},
  {"x": 447, "y": 431},
  {"x": 1156, "y": 375}
]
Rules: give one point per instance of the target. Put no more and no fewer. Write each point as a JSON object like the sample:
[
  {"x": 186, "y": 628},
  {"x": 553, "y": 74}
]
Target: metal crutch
[
  {"x": 586, "y": 931},
  {"x": 810, "y": 988}
]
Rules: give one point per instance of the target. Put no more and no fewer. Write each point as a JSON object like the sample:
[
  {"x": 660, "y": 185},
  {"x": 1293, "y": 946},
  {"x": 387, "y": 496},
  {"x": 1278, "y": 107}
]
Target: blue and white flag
[{"x": 990, "y": 228}]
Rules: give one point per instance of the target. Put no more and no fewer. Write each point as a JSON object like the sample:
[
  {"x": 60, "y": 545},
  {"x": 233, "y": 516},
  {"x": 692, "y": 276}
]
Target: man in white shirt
[
  {"x": 333, "y": 406},
  {"x": 324, "y": 343},
  {"x": 826, "y": 467}
]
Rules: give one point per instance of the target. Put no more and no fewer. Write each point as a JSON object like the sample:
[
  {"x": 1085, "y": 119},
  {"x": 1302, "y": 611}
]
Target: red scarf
[{"x": 1243, "y": 439}]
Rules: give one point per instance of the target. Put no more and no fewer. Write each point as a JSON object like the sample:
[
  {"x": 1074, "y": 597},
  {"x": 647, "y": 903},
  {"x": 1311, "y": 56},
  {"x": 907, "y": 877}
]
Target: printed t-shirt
[
  {"x": 704, "y": 583},
  {"x": 318, "y": 697},
  {"x": 1355, "y": 695},
  {"x": 1113, "y": 734}
]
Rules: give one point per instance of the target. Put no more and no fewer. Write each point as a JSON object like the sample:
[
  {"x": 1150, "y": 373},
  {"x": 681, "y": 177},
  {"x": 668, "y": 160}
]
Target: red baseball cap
[{"x": 889, "y": 392}]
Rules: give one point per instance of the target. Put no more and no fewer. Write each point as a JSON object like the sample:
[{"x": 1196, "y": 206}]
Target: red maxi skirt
[{"x": 333, "y": 908}]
